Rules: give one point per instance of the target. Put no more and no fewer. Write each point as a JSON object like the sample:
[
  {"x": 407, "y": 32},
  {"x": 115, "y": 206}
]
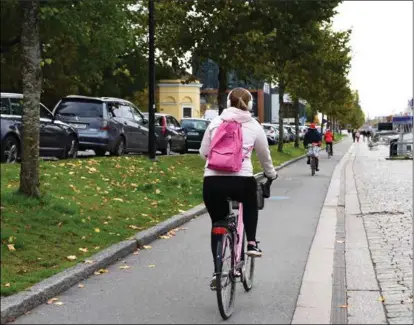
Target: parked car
[
  {"x": 271, "y": 132},
  {"x": 194, "y": 128},
  {"x": 170, "y": 135},
  {"x": 56, "y": 139},
  {"x": 105, "y": 124},
  {"x": 290, "y": 132},
  {"x": 285, "y": 133}
]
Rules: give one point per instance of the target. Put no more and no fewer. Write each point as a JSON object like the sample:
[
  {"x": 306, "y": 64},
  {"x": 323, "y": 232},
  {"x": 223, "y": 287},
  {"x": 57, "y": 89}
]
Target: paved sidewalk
[{"x": 384, "y": 207}]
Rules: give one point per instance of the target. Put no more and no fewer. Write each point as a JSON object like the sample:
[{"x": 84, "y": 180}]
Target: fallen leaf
[
  {"x": 151, "y": 265},
  {"x": 60, "y": 224},
  {"x": 51, "y": 301},
  {"x": 157, "y": 191},
  {"x": 97, "y": 230},
  {"x": 97, "y": 247},
  {"x": 7, "y": 285},
  {"x": 11, "y": 247},
  {"x": 165, "y": 237},
  {"x": 135, "y": 253},
  {"x": 382, "y": 299},
  {"x": 124, "y": 267},
  {"x": 105, "y": 222},
  {"x": 71, "y": 257},
  {"x": 84, "y": 250},
  {"x": 144, "y": 215},
  {"x": 118, "y": 199},
  {"x": 83, "y": 237},
  {"x": 101, "y": 271},
  {"x": 58, "y": 303},
  {"x": 88, "y": 262},
  {"x": 182, "y": 211},
  {"x": 147, "y": 247},
  {"x": 340, "y": 241},
  {"x": 343, "y": 306},
  {"x": 80, "y": 285}
]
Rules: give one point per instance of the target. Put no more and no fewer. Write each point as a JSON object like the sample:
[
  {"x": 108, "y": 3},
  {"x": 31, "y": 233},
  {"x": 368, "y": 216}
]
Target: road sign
[{"x": 402, "y": 120}]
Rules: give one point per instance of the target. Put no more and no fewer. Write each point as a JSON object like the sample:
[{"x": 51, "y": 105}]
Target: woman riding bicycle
[{"x": 241, "y": 186}]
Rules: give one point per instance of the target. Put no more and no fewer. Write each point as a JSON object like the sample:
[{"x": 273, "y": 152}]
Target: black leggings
[
  {"x": 216, "y": 190},
  {"x": 329, "y": 145}
]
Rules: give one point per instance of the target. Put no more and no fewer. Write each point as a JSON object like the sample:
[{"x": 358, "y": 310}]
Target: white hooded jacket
[{"x": 253, "y": 135}]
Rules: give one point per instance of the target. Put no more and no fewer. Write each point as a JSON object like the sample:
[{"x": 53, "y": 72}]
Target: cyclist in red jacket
[{"x": 329, "y": 138}]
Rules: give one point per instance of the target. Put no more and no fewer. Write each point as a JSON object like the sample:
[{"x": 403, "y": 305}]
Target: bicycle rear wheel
[
  {"x": 248, "y": 267},
  {"x": 313, "y": 165},
  {"x": 225, "y": 280}
]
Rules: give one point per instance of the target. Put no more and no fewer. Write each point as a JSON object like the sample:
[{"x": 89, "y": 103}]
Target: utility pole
[{"x": 151, "y": 81}]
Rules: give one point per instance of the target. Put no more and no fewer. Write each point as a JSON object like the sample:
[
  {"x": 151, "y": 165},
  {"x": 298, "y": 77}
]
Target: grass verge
[{"x": 90, "y": 204}]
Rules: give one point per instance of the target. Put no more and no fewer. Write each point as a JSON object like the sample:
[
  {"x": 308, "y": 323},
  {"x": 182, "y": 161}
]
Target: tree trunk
[
  {"x": 322, "y": 124},
  {"x": 222, "y": 94},
  {"x": 32, "y": 85},
  {"x": 296, "y": 103},
  {"x": 281, "y": 109}
]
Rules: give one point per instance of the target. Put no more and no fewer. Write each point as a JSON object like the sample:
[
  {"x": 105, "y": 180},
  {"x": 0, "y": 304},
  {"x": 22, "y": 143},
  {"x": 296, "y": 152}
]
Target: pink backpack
[{"x": 226, "y": 148}]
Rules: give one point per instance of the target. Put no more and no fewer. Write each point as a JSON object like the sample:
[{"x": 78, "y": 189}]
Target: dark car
[
  {"x": 56, "y": 139},
  {"x": 194, "y": 129},
  {"x": 105, "y": 124},
  {"x": 169, "y": 133}
]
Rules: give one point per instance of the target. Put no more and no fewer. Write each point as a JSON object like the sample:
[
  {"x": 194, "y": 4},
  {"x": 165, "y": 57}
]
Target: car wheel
[
  {"x": 167, "y": 150},
  {"x": 10, "y": 151},
  {"x": 119, "y": 149},
  {"x": 71, "y": 149}
]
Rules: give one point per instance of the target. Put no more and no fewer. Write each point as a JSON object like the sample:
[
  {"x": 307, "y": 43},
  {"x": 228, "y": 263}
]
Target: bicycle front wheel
[
  {"x": 248, "y": 267},
  {"x": 225, "y": 280}
]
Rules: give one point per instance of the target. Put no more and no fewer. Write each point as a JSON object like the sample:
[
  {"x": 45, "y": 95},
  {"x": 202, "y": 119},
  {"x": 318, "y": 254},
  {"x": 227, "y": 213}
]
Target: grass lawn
[{"x": 89, "y": 204}]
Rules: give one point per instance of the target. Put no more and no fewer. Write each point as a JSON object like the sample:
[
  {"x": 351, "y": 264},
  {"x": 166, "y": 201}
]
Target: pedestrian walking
[
  {"x": 353, "y": 134},
  {"x": 357, "y": 135}
]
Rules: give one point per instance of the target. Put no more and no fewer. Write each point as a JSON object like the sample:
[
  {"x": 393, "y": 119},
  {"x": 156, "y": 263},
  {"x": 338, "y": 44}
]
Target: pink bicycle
[{"x": 232, "y": 262}]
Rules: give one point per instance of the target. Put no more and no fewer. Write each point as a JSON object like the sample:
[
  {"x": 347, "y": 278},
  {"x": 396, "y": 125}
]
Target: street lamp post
[{"x": 151, "y": 81}]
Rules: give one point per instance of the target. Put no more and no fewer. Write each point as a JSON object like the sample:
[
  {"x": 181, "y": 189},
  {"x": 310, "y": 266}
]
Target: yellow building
[{"x": 178, "y": 98}]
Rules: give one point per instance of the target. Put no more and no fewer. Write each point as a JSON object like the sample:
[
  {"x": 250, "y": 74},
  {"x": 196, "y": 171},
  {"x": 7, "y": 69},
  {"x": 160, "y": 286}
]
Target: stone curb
[{"x": 18, "y": 304}]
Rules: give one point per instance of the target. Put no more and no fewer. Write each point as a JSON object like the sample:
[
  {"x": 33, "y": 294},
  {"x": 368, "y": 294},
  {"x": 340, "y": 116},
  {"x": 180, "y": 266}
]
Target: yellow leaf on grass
[
  {"x": 84, "y": 250},
  {"x": 134, "y": 227},
  {"x": 182, "y": 211},
  {"x": 134, "y": 185},
  {"x": 147, "y": 247},
  {"x": 7, "y": 285},
  {"x": 97, "y": 230},
  {"x": 124, "y": 267},
  {"x": 88, "y": 262},
  {"x": 157, "y": 191},
  {"x": 80, "y": 285},
  {"x": 118, "y": 199},
  {"x": 71, "y": 257},
  {"x": 51, "y": 301},
  {"x": 11, "y": 247},
  {"x": 97, "y": 247}
]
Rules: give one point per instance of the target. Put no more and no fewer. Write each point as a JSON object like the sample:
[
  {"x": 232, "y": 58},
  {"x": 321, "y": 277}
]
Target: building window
[{"x": 187, "y": 112}]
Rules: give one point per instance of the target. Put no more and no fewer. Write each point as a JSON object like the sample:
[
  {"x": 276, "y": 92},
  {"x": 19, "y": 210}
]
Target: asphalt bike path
[{"x": 169, "y": 282}]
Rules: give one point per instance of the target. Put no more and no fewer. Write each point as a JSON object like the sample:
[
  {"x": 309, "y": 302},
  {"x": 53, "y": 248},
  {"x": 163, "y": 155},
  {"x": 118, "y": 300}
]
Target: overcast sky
[{"x": 382, "y": 44}]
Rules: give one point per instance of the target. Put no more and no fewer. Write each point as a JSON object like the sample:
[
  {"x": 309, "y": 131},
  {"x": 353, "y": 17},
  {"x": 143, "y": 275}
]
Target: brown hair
[{"x": 240, "y": 98}]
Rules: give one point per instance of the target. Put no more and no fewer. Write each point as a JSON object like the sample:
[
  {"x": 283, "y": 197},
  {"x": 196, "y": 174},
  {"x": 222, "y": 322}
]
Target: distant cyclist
[
  {"x": 312, "y": 136},
  {"x": 329, "y": 138},
  {"x": 241, "y": 186}
]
